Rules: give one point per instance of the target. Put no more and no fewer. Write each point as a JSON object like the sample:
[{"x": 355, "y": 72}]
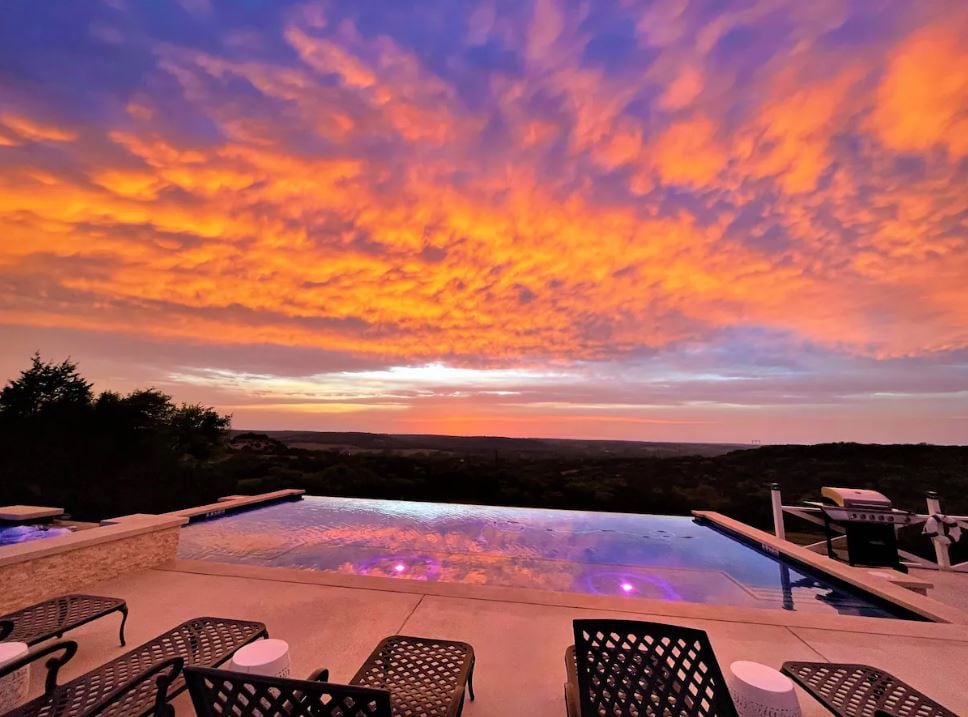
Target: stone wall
[{"x": 30, "y": 581}]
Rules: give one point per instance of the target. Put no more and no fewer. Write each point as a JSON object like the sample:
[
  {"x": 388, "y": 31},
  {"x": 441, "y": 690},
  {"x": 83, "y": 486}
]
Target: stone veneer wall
[{"x": 28, "y": 582}]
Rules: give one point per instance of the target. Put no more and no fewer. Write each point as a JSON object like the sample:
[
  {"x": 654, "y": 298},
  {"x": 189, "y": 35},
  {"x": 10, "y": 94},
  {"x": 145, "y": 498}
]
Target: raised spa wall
[{"x": 42, "y": 569}]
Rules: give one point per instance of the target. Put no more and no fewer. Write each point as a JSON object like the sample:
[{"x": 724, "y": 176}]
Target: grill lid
[{"x": 856, "y": 498}]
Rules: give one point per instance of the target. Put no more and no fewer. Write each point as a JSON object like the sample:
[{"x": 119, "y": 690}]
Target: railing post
[
  {"x": 777, "y": 500},
  {"x": 940, "y": 549}
]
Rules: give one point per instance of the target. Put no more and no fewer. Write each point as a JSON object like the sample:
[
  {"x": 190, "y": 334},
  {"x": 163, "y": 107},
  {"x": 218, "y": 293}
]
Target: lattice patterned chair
[
  {"x": 850, "y": 690},
  {"x": 425, "y": 677},
  {"x": 218, "y": 693},
  {"x": 629, "y": 668},
  {"x": 54, "y": 617},
  {"x": 140, "y": 682}
]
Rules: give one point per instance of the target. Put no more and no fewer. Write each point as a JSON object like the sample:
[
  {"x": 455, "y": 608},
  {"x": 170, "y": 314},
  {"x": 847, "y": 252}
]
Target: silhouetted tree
[
  {"x": 107, "y": 456},
  {"x": 44, "y": 387},
  {"x": 197, "y": 430}
]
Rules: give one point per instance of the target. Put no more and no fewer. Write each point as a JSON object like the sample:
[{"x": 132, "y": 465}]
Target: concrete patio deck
[{"x": 519, "y": 644}]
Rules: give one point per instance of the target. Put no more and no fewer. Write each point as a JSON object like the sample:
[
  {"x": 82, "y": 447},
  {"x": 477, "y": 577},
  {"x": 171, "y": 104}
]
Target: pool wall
[
  {"x": 40, "y": 569},
  {"x": 923, "y": 608}
]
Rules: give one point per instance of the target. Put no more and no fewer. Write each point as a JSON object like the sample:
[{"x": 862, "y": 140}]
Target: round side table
[
  {"x": 760, "y": 691},
  {"x": 15, "y": 686},
  {"x": 263, "y": 657}
]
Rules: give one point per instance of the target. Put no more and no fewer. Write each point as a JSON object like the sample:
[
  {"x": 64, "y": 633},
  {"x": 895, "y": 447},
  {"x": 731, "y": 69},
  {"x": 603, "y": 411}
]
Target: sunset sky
[{"x": 670, "y": 220}]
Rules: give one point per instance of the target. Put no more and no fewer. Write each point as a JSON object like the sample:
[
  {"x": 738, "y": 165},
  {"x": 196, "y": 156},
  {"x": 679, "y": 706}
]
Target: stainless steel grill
[
  {"x": 845, "y": 505},
  {"x": 868, "y": 520}
]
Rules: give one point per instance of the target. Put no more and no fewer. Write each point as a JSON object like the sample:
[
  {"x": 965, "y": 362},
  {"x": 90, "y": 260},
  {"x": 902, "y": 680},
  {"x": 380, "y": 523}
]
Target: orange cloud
[
  {"x": 796, "y": 127},
  {"x": 328, "y": 57},
  {"x": 354, "y": 199},
  {"x": 923, "y": 99},
  {"x": 683, "y": 90},
  {"x": 33, "y": 130},
  {"x": 689, "y": 153}
]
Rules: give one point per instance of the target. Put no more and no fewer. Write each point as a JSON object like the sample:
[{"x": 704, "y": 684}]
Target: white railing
[{"x": 813, "y": 515}]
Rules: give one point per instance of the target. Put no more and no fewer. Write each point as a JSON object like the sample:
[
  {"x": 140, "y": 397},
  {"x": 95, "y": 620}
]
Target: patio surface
[{"x": 519, "y": 644}]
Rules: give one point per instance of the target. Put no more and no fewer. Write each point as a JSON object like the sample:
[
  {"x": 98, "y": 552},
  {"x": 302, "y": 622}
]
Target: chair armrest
[
  {"x": 53, "y": 665},
  {"x": 164, "y": 672},
  {"x": 6, "y": 627},
  {"x": 320, "y": 675}
]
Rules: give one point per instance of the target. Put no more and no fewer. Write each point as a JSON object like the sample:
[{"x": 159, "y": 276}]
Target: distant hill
[
  {"x": 409, "y": 444},
  {"x": 592, "y": 475}
]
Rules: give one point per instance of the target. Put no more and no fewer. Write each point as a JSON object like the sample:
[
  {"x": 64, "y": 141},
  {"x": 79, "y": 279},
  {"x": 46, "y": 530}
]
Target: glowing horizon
[{"x": 642, "y": 220}]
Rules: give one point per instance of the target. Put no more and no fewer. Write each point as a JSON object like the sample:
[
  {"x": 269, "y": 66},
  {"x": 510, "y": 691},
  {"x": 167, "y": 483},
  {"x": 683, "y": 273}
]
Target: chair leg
[
  {"x": 470, "y": 682},
  {"x": 124, "y": 619}
]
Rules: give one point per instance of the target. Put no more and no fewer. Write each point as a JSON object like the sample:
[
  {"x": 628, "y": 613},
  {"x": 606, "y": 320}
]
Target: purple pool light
[
  {"x": 418, "y": 567},
  {"x": 603, "y": 581}
]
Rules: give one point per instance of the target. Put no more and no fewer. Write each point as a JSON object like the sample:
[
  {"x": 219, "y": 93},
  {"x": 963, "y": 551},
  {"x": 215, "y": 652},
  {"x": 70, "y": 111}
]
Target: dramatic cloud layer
[{"x": 639, "y": 219}]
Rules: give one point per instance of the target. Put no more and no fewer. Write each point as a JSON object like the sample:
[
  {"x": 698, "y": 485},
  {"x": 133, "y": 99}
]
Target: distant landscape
[
  {"x": 627, "y": 476},
  {"x": 400, "y": 444},
  {"x": 108, "y": 454}
]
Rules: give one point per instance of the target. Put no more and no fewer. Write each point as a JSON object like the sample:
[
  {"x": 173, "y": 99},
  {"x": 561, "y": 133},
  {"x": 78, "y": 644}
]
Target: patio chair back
[
  {"x": 219, "y": 693},
  {"x": 854, "y": 690},
  {"x": 627, "y": 667}
]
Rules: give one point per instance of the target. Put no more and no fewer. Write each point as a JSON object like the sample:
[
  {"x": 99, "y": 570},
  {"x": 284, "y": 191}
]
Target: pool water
[
  {"x": 619, "y": 554},
  {"x": 13, "y": 534}
]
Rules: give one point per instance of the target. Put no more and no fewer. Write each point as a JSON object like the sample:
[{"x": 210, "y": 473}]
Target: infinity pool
[
  {"x": 12, "y": 534},
  {"x": 619, "y": 554}
]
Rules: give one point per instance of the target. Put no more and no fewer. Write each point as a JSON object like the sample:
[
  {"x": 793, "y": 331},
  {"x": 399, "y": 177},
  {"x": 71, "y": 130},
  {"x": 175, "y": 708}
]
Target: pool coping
[
  {"x": 236, "y": 503},
  {"x": 858, "y": 578},
  {"x": 629, "y": 605},
  {"x": 14, "y": 515}
]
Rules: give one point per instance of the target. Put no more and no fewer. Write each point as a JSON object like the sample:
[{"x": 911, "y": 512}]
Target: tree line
[{"x": 106, "y": 454}]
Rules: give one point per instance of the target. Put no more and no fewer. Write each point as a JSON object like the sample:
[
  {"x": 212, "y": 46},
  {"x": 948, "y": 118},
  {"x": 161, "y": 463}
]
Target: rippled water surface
[
  {"x": 653, "y": 556},
  {"x": 11, "y": 534}
]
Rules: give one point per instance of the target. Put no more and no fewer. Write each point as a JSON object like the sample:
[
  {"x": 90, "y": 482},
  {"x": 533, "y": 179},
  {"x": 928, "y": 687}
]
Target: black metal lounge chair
[
  {"x": 624, "y": 667},
  {"x": 217, "y": 693},
  {"x": 403, "y": 677},
  {"x": 425, "y": 677},
  {"x": 850, "y": 690},
  {"x": 140, "y": 682},
  {"x": 54, "y": 617}
]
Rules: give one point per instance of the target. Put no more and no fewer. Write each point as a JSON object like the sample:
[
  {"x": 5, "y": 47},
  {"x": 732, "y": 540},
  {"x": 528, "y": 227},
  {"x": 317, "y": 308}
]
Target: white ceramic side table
[
  {"x": 14, "y": 687},
  {"x": 760, "y": 691},
  {"x": 263, "y": 657}
]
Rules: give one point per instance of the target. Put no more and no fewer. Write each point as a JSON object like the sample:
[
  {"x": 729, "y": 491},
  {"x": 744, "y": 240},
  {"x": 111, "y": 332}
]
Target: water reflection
[
  {"x": 785, "y": 587},
  {"x": 660, "y": 557}
]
